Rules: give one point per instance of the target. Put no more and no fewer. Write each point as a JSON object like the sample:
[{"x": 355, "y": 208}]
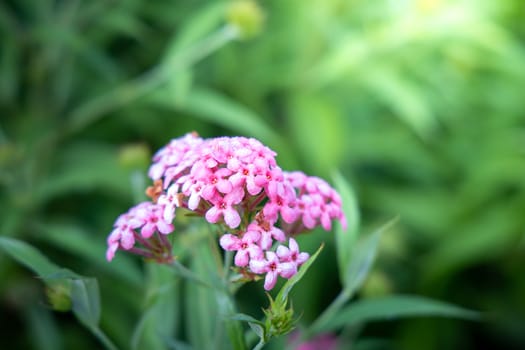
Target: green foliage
[
  {"x": 419, "y": 104},
  {"x": 392, "y": 308}
]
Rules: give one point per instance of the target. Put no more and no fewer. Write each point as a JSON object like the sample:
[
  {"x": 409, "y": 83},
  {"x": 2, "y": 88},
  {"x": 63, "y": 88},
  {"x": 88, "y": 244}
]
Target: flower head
[{"x": 235, "y": 183}]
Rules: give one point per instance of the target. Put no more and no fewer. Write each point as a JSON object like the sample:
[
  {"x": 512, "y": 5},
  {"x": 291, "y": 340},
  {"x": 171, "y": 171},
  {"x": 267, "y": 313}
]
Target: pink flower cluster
[{"x": 235, "y": 182}]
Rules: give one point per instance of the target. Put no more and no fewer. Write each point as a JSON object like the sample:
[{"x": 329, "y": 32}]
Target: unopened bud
[
  {"x": 59, "y": 296},
  {"x": 247, "y": 16},
  {"x": 134, "y": 156}
]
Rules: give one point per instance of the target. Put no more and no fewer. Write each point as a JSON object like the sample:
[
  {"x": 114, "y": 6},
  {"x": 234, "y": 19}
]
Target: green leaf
[
  {"x": 315, "y": 125},
  {"x": 200, "y": 305},
  {"x": 282, "y": 296},
  {"x": 86, "y": 300},
  {"x": 361, "y": 261},
  {"x": 197, "y": 26},
  {"x": 404, "y": 98},
  {"x": 345, "y": 239},
  {"x": 159, "y": 318},
  {"x": 213, "y": 107},
  {"x": 73, "y": 239},
  {"x": 394, "y": 307},
  {"x": 245, "y": 318},
  {"x": 83, "y": 167},
  {"x": 28, "y": 256},
  {"x": 84, "y": 292}
]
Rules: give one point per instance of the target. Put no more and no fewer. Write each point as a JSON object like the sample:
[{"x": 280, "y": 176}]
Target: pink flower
[
  {"x": 234, "y": 180},
  {"x": 215, "y": 182},
  {"x": 268, "y": 233},
  {"x": 326, "y": 341},
  {"x": 153, "y": 216},
  {"x": 281, "y": 199},
  {"x": 246, "y": 176},
  {"x": 273, "y": 268},
  {"x": 223, "y": 206},
  {"x": 246, "y": 247},
  {"x": 169, "y": 201},
  {"x": 292, "y": 254}
]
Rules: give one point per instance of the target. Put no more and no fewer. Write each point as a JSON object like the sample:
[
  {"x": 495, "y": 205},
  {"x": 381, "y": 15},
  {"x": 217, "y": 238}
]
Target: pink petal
[
  {"x": 270, "y": 211},
  {"x": 283, "y": 253},
  {"x": 164, "y": 227},
  {"x": 224, "y": 186},
  {"x": 233, "y": 164},
  {"x": 194, "y": 201},
  {"x": 308, "y": 221},
  {"x": 255, "y": 252},
  {"x": 251, "y": 237},
  {"x": 231, "y": 217},
  {"x": 287, "y": 269},
  {"x": 270, "y": 280},
  {"x": 127, "y": 240},
  {"x": 258, "y": 266},
  {"x": 110, "y": 252},
  {"x": 235, "y": 196},
  {"x": 288, "y": 214},
  {"x": 278, "y": 234},
  {"x": 302, "y": 258},
  {"x": 294, "y": 247},
  {"x": 242, "y": 258},
  {"x": 229, "y": 242},
  {"x": 212, "y": 215},
  {"x": 252, "y": 187},
  {"x": 147, "y": 230},
  {"x": 156, "y": 171},
  {"x": 326, "y": 222},
  {"x": 266, "y": 241}
]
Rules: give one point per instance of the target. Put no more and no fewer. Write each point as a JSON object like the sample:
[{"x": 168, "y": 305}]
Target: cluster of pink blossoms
[{"x": 235, "y": 182}]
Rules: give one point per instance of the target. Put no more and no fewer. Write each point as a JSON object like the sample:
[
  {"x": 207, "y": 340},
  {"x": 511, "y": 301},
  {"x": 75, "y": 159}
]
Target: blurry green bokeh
[{"x": 418, "y": 103}]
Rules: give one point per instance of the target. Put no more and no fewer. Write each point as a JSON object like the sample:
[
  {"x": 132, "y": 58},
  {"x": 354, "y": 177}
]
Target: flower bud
[
  {"x": 59, "y": 296},
  {"x": 279, "y": 319},
  {"x": 246, "y": 16},
  {"x": 134, "y": 156}
]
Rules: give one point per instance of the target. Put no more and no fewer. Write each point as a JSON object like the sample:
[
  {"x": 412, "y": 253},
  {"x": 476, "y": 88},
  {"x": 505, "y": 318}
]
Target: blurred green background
[{"x": 420, "y": 104}]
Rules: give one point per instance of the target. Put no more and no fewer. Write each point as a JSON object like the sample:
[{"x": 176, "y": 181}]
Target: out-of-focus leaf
[
  {"x": 220, "y": 110},
  {"x": 83, "y": 291},
  {"x": 84, "y": 167},
  {"x": 159, "y": 319},
  {"x": 196, "y": 27},
  {"x": 394, "y": 307},
  {"x": 200, "y": 305},
  {"x": 28, "y": 256},
  {"x": 345, "y": 239},
  {"x": 488, "y": 236},
  {"x": 45, "y": 334},
  {"x": 245, "y": 318},
  {"x": 316, "y": 127},
  {"x": 361, "y": 260},
  {"x": 9, "y": 69},
  {"x": 403, "y": 98},
  {"x": 86, "y": 301},
  {"x": 75, "y": 240}
]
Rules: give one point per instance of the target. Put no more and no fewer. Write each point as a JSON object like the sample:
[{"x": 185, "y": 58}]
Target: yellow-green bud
[
  {"x": 246, "y": 16},
  {"x": 134, "y": 156},
  {"x": 59, "y": 296}
]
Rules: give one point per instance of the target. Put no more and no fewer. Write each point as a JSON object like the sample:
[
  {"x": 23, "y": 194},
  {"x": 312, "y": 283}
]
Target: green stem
[
  {"x": 259, "y": 345},
  {"x": 233, "y": 327},
  {"x": 140, "y": 86},
  {"x": 103, "y": 338},
  {"x": 183, "y": 271}
]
